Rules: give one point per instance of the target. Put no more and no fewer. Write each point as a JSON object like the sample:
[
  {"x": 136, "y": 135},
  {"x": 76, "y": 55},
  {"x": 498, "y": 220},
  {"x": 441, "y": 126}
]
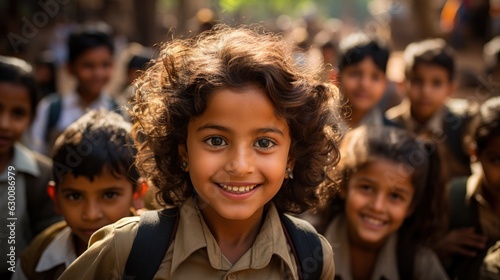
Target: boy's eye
[
  {"x": 264, "y": 143},
  {"x": 19, "y": 113},
  {"x": 73, "y": 196},
  {"x": 215, "y": 141},
  {"x": 110, "y": 195}
]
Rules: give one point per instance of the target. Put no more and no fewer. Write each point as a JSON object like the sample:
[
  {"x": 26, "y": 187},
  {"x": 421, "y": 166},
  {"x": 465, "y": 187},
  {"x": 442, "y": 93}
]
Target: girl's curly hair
[{"x": 177, "y": 87}]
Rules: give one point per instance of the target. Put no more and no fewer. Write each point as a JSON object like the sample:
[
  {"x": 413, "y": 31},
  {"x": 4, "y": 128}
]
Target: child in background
[
  {"x": 427, "y": 109},
  {"x": 90, "y": 61},
  {"x": 362, "y": 66},
  {"x": 234, "y": 132},
  {"x": 475, "y": 200},
  {"x": 94, "y": 185},
  {"x": 24, "y": 174},
  {"x": 389, "y": 207}
]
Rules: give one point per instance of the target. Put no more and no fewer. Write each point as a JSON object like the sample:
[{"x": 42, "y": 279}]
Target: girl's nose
[
  {"x": 378, "y": 203},
  {"x": 240, "y": 161}
]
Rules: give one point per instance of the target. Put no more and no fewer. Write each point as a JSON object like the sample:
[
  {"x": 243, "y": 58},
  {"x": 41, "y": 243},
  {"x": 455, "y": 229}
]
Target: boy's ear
[
  {"x": 452, "y": 88},
  {"x": 139, "y": 193},
  {"x": 51, "y": 190},
  {"x": 472, "y": 151}
]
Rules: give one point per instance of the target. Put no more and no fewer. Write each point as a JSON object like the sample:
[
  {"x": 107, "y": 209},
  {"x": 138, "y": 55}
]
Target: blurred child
[
  {"x": 491, "y": 55},
  {"x": 94, "y": 185},
  {"x": 46, "y": 73},
  {"x": 427, "y": 109},
  {"x": 475, "y": 200},
  {"x": 24, "y": 174},
  {"x": 362, "y": 66},
  {"x": 90, "y": 61},
  {"x": 389, "y": 208},
  {"x": 234, "y": 133}
]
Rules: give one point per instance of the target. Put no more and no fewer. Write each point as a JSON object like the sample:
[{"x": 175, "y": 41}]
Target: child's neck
[
  {"x": 354, "y": 118},
  {"x": 87, "y": 96},
  {"x": 362, "y": 261},
  {"x": 419, "y": 118},
  {"x": 234, "y": 238}
]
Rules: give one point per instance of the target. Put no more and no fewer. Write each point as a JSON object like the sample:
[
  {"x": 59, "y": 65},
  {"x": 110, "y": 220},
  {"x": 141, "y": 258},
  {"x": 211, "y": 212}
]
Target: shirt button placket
[{"x": 231, "y": 277}]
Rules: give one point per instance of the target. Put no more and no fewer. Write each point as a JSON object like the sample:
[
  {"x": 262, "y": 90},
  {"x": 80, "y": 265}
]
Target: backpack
[
  {"x": 145, "y": 256},
  {"x": 55, "y": 108}
]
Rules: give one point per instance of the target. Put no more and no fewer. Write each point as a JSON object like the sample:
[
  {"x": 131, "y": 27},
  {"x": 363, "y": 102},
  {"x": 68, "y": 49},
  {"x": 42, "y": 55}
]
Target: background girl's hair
[
  {"x": 177, "y": 87},
  {"x": 485, "y": 124}
]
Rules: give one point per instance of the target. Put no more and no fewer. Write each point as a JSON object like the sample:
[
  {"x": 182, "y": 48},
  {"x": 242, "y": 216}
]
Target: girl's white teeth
[
  {"x": 373, "y": 221},
  {"x": 240, "y": 189}
]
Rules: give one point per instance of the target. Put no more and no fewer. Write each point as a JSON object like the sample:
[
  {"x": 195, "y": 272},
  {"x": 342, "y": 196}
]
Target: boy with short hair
[
  {"x": 90, "y": 61},
  {"x": 95, "y": 185},
  {"x": 427, "y": 109},
  {"x": 362, "y": 78}
]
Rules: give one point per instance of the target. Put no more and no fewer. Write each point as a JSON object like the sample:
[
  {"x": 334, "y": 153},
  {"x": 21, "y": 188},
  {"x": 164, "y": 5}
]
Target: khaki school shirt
[
  {"x": 426, "y": 266},
  {"x": 488, "y": 219},
  {"x": 194, "y": 253}
]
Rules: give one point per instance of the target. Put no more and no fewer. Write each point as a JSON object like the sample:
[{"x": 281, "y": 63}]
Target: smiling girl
[
  {"x": 390, "y": 207},
  {"x": 234, "y": 133}
]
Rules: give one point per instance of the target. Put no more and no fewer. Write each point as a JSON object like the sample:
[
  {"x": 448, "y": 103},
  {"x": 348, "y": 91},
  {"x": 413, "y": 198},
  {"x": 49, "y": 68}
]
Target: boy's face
[
  {"x": 236, "y": 154},
  {"x": 428, "y": 86},
  {"x": 93, "y": 69},
  {"x": 377, "y": 202},
  {"x": 363, "y": 84},
  {"x": 490, "y": 162},
  {"x": 89, "y": 205},
  {"x": 15, "y": 115}
]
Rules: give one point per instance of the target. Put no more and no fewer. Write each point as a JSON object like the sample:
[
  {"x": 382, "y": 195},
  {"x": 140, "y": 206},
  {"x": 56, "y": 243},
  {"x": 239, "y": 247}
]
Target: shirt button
[{"x": 231, "y": 277}]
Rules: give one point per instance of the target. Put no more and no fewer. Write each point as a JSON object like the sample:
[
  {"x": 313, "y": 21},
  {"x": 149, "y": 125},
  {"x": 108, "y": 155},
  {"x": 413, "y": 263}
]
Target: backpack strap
[
  {"x": 54, "y": 112},
  {"x": 461, "y": 214},
  {"x": 306, "y": 247},
  {"x": 146, "y": 256}
]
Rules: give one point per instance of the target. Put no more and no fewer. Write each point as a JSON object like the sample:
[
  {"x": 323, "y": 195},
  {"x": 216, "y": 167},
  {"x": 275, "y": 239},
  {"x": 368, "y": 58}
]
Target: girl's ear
[
  {"x": 51, "y": 190},
  {"x": 184, "y": 157}
]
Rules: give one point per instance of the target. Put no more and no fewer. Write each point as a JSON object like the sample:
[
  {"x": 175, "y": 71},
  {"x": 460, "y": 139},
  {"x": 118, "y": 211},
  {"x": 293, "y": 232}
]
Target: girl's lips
[
  {"x": 246, "y": 191},
  {"x": 373, "y": 222}
]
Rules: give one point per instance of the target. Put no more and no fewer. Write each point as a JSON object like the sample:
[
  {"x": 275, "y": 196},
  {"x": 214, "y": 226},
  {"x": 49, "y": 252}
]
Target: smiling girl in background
[{"x": 389, "y": 207}]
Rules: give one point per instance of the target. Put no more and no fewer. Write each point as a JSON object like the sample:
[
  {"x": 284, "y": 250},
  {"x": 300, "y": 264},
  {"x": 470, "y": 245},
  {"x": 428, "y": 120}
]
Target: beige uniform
[{"x": 194, "y": 253}]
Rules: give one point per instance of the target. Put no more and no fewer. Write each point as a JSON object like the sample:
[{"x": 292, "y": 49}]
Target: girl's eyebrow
[{"x": 225, "y": 129}]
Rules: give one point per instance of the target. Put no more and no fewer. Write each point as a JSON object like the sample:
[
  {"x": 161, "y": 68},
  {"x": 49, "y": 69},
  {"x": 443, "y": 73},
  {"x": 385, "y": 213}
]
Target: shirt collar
[
  {"x": 75, "y": 100},
  {"x": 373, "y": 118},
  {"x": 474, "y": 189},
  {"x": 433, "y": 125},
  {"x": 60, "y": 250},
  {"x": 24, "y": 161},
  {"x": 384, "y": 267},
  {"x": 270, "y": 241}
]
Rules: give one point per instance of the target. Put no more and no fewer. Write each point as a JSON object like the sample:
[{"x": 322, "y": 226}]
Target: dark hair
[
  {"x": 358, "y": 46},
  {"x": 365, "y": 145},
  {"x": 46, "y": 59},
  {"x": 89, "y": 36},
  {"x": 430, "y": 51},
  {"x": 96, "y": 142},
  {"x": 19, "y": 72},
  {"x": 177, "y": 88},
  {"x": 137, "y": 62},
  {"x": 485, "y": 124}
]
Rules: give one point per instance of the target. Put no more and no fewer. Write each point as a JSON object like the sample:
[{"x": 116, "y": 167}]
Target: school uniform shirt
[
  {"x": 427, "y": 265},
  {"x": 72, "y": 108},
  {"x": 54, "y": 257},
  {"x": 435, "y": 129},
  {"x": 490, "y": 269},
  {"x": 194, "y": 253},
  {"x": 488, "y": 220},
  {"x": 23, "y": 226}
]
